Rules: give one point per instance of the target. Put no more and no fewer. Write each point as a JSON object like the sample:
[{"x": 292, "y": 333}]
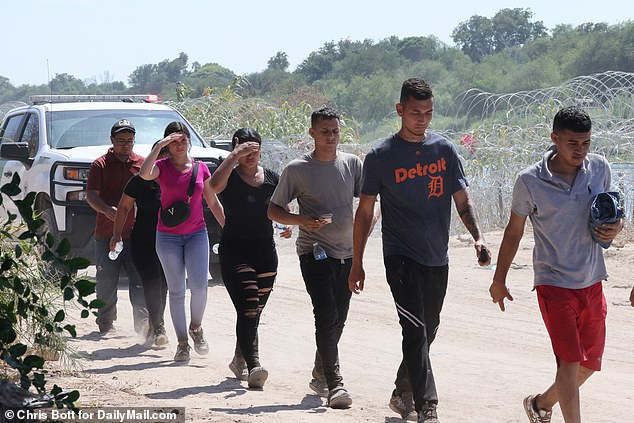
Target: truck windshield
[{"x": 82, "y": 128}]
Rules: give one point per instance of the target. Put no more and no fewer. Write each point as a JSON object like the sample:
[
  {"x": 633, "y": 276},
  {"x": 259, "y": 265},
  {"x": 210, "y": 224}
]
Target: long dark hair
[
  {"x": 176, "y": 126},
  {"x": 243, "y": 135}
]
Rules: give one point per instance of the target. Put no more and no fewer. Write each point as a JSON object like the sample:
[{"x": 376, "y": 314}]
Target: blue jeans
[
  {"x": 107, "y": 277},
  {"x": 327, "y": 284},
  {"x": 180, "y": 253}
]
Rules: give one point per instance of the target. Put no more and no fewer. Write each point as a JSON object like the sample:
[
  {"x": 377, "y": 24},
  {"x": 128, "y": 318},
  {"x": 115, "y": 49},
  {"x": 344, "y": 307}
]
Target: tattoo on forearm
[{"x": 468, "y": 216}]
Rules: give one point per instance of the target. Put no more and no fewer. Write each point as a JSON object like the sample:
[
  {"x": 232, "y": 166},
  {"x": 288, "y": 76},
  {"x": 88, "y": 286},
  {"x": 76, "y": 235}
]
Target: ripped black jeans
[{"x": 248, "y": 270}]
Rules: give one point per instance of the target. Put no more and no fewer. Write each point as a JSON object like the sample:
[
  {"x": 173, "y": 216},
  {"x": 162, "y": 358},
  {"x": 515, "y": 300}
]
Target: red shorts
[{"x": 575, "y": 320}]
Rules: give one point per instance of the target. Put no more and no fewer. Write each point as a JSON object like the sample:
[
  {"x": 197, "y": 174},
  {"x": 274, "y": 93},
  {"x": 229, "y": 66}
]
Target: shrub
[{"x": 37, "y": 281}]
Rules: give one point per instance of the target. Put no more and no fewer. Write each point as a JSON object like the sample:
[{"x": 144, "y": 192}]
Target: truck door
[{"x": 18, "y": 128}]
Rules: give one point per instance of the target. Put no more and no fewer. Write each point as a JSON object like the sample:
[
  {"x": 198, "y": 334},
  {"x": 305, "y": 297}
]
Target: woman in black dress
[{"x": 248, "y": 259}]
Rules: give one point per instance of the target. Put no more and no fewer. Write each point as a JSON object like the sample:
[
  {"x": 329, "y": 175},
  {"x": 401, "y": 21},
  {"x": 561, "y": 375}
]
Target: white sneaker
[
  {"x": 257, "y": 377},
  {"x": 339, "y": 398}
]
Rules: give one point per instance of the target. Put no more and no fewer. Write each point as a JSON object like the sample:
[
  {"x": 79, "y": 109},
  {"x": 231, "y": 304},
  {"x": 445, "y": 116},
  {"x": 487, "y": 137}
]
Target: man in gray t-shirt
[
  {"x": 417, "y": 174},
  {"x": 556, "y": 194},
  {"x": 324, "y": 183}
]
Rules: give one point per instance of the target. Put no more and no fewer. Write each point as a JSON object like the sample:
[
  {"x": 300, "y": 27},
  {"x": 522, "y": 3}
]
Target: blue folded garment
[{"x": 605, "y": 208}]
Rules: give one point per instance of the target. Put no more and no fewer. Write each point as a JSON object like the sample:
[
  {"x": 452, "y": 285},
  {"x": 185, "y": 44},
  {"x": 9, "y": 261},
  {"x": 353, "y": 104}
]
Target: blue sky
[{"x": 106, "y": 40}]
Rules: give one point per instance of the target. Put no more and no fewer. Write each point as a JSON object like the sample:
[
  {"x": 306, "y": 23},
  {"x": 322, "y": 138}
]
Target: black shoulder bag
[{"x": 178, "y": 212}]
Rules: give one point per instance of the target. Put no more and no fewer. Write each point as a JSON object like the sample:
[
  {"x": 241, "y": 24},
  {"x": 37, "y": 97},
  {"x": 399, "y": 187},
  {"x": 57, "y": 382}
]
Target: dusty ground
[{"x": 485, "y": 361}]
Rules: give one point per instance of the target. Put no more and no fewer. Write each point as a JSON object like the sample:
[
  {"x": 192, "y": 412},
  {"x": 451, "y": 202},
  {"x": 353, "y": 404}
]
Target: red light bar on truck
[{"x": 58, "y": 98}]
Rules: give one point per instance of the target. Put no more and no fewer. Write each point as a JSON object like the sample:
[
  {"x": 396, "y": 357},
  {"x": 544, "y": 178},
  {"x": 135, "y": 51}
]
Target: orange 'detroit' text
[{"x": 402, "y": 174}]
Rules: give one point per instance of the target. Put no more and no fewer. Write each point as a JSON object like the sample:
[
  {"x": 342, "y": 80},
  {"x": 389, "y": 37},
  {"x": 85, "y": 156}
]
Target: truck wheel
[{"x": 50, "y": 225}]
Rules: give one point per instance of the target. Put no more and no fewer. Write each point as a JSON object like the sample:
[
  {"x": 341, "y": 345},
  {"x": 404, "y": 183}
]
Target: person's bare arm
[
  {"x": 149, "y": 171},
  {"x": 469, "y": 218},
  {"x": 100, "y": 206},
  {"x": 608, "y": 231},
  {"x": 221, "y": 176},
  {"x": 123, "y": 209},
  {"x": 377, "y": 214},
  {"x": 282, "y": 215},
  {"x": 510, "y": 243},
  {"x": 212, "y": 202},
  {"x": 363, "y": 222}
]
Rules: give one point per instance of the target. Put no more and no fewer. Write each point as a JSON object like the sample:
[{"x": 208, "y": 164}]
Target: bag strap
[{"x": 192, "y": 181}]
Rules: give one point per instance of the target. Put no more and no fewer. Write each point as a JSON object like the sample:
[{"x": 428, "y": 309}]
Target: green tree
[
  {"x": 419, "y": 48},
  {"x": 474, "y": 37},
  {"x": 157, "y": 78},
  {"x": 480, "y": 36},
  {"x": 318, "y": 64},
  {"x": 279, "y": 62},
  {"x": 143, "y": 79},
  {"x": 263, "y": 84},
  {"x": 364, "y": 60},
  {"x": 209, "y": 76},
  {"x": 63, "y": 83},
  {"x": 513, "y": 27}
]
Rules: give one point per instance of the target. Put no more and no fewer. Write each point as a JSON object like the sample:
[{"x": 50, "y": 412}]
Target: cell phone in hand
[
  {"x": 326, "y": 217},
  {"x": 484, "y": 256}
]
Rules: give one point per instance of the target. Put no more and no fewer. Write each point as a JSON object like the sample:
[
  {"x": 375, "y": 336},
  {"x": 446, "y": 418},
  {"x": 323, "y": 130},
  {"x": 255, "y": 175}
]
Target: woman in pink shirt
[{"x": 183, "y": 247}]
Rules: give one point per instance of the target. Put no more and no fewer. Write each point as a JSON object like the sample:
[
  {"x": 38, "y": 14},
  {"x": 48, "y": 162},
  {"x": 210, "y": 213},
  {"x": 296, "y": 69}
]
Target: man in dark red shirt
[{"x": 107, "y": 178}]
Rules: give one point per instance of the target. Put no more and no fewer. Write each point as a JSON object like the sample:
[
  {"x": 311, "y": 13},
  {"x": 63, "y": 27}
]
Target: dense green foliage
[
  {"x": 480, "y": 37},
  {"x": 508, "y": 52},
  {"x": 36, "y": 283}
]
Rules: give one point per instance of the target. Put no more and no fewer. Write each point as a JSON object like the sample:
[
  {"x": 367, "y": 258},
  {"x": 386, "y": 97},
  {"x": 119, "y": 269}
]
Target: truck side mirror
[{"x": 16, "y": 151}]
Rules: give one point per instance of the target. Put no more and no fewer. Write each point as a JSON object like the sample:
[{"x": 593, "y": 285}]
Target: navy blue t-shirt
[{"x": 415, "y": 182}]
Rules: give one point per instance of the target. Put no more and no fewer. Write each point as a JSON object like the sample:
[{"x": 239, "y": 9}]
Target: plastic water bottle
[
  {"x": 318, "y": 252},
  {"x": 279, "y": 228},
  {"x": 118, "y": 247},
  {"x": 214, "y": 248}
]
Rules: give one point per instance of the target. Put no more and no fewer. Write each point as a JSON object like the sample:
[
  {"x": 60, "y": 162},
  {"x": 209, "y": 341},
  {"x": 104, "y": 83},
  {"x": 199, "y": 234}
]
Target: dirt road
[{"x": 485, "y": 361}]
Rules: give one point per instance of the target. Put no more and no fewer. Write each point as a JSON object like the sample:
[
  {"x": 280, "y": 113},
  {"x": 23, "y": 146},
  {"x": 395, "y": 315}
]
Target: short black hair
[
  {"x": 573, "y": 118},
  {"x": 243, "y": 135},
  {"x": 417, "y": 88},
  {"x": 325, "y": 113}
]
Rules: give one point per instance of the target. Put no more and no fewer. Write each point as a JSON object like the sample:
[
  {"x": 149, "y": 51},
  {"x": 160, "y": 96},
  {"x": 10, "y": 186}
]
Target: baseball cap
[{"x": 122, "y": 125}]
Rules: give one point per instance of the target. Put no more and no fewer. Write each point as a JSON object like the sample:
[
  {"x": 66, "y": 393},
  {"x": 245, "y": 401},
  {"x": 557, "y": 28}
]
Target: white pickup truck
[{"x": 51, "y": 144}]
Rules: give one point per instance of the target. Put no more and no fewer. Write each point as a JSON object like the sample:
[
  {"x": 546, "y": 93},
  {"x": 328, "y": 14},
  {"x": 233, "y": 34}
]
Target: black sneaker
[
  {"x": 107, "y": 329},
  {"x": 239, "y": 368},
  {"x": 149, "y": 339},
  {"x": 403, "y": 404},
  {"x": 319, "y": 386},
  {"x": 428, "y": 414},
  {"x": 142, "y": 326},
  {"x": 182, "y": 352},
  {"x": 200, "y": 344},
  {"x": 160, "y": 337}
]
